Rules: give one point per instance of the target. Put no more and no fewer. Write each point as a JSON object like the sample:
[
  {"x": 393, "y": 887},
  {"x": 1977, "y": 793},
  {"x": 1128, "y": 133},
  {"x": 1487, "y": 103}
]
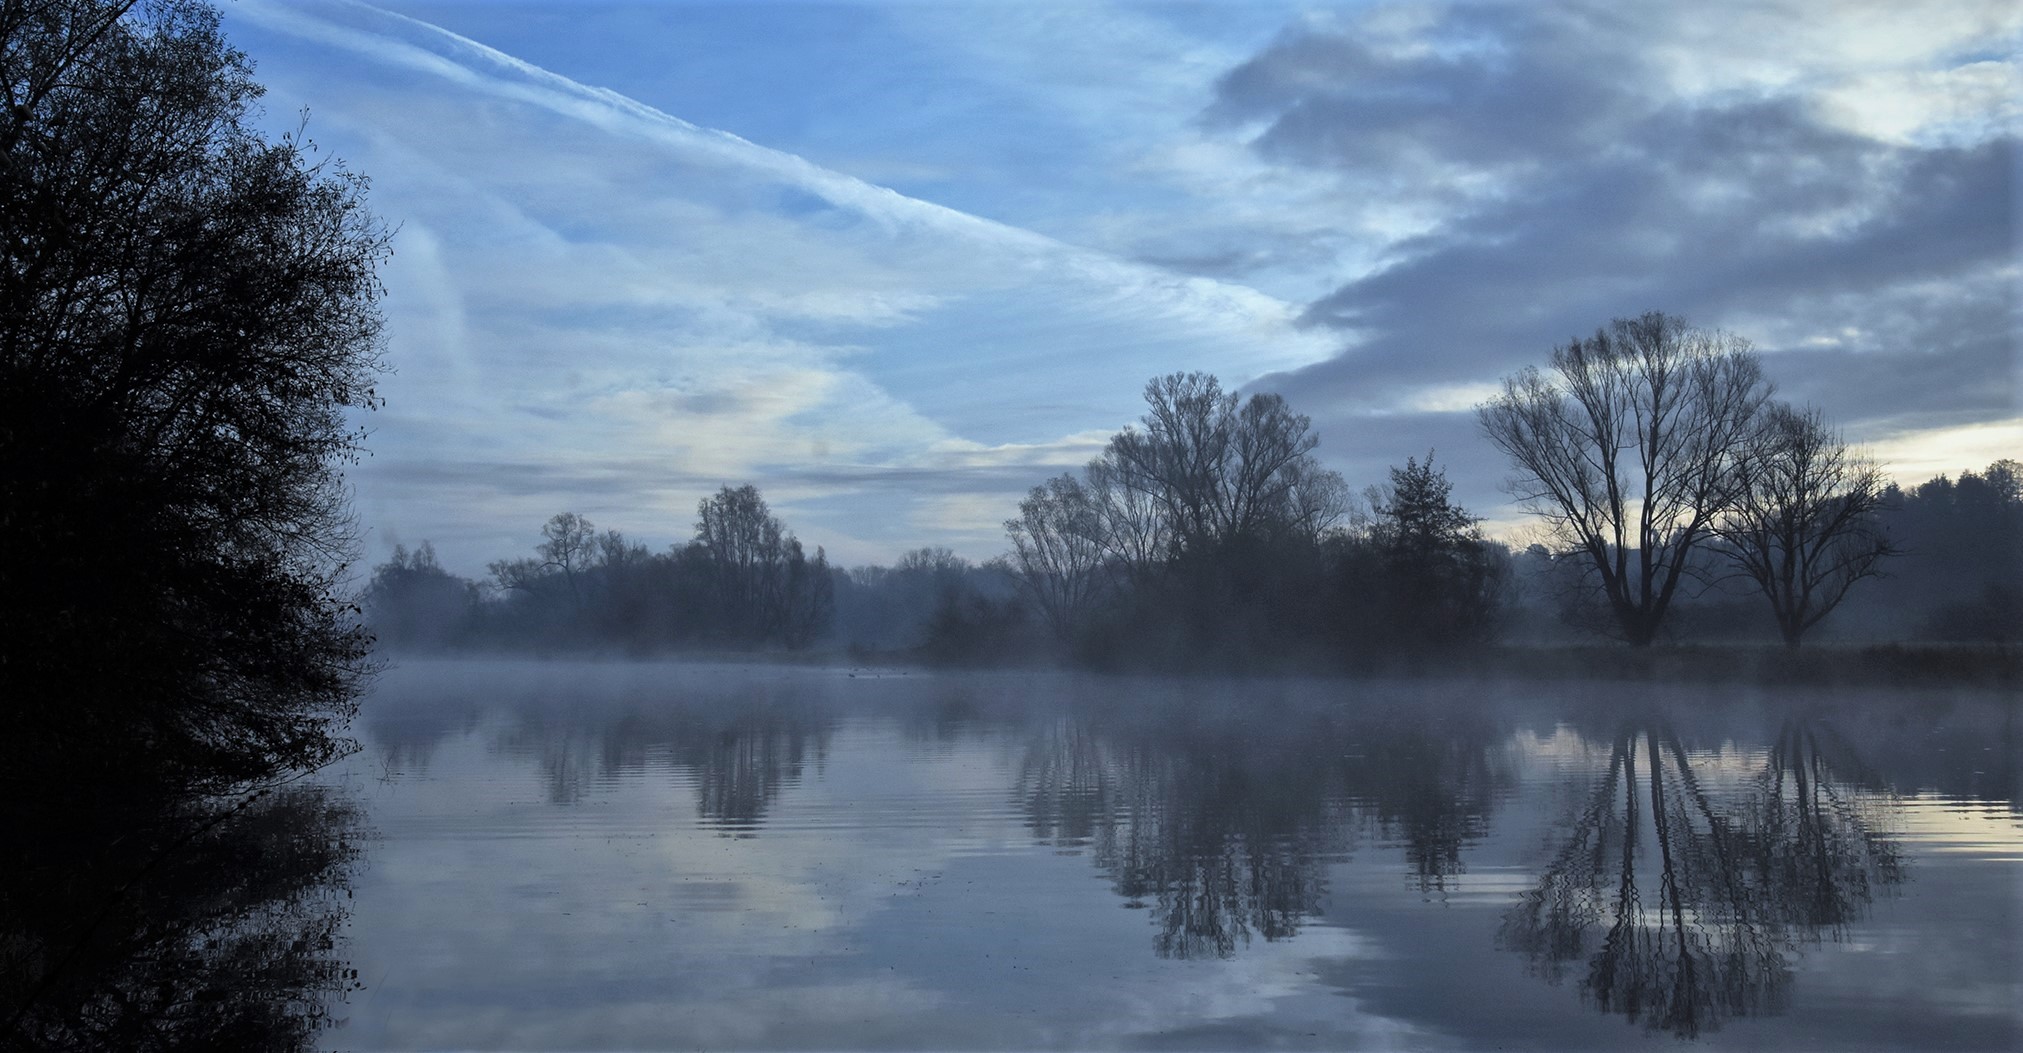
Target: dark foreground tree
[
  {"x": 187, "y": 312},
  {"x": 233, "y": 939},
  {"x": 1803, "y": 524},
  {"x": 1628, "y": 450}
]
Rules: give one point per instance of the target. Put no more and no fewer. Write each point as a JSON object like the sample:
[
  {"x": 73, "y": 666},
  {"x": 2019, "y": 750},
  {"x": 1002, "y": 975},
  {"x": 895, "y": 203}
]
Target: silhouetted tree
[
  {"x": 1057, "y": 553},
  {"x": 1803, "y": 523},
  {"x": 1439, "y": 578},
  {"x": 1134, "y": 534},
  {"x": 187, "y": 312},
  {"x": 545, "y": 602},
  {"x": 412, "y": 601},
  {"x": 1629, "y": 452},
  {"x": 747, "y": 547},
  {"x": 570, "y": 545},
  {"x": 1216, "y": 467},
  {"x": 1207, "y": 519},
  {"x": 765, "y": 588}
]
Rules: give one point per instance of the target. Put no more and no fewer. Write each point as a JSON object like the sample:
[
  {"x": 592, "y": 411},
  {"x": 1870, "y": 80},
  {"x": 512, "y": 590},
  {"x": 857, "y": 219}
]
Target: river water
[{"x": 582, "y": 855}]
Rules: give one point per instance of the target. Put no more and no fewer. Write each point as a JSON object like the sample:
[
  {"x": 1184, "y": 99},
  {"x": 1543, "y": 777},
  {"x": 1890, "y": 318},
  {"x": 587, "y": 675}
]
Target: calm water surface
[{"x": 662, "y": 856}]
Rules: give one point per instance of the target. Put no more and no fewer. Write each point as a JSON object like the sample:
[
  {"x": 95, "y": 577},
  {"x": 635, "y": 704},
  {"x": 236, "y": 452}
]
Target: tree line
[
  {"x": 742, "y": 582},
  {"x": 1199, "y": 534},
  {"x": 1676, "y": 498},
  {"x": 1208, "y": 534}
]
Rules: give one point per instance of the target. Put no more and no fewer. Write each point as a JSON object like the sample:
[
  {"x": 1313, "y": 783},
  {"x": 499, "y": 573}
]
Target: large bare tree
[
  {"x": 1218, "y": 467},
  {"x": 1058, "y": 552},
  {"x": 1802, "y": 525},
  {"x": 1629, "y": 450},
  {"x": 1134, "y": 533}
]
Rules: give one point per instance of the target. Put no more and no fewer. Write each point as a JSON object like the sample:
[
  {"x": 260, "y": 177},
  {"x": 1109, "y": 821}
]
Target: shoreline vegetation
[
  {"x": 1408, "y": 586},
  {"x": 1209, "y": 539},
  {"x": 1908, "y": 665}
]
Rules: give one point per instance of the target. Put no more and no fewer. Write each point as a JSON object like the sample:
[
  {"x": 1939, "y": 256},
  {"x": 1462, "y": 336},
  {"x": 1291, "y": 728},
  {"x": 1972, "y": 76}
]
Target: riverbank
[
  {"x": 1873, "y": 665},
  {"x": 1880, "y": 665}
]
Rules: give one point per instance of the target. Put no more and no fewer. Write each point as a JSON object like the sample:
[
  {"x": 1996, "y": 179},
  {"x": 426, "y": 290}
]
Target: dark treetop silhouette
[{"x": 186, "y": 313}]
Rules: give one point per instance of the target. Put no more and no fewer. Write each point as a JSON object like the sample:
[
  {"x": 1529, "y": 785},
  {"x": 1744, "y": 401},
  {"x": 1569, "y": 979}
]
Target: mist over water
[{"x": 659, "y": 855}]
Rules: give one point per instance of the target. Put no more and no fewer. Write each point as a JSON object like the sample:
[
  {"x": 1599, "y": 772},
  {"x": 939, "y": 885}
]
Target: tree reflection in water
[
  {"x": 1430, "y": 784},
  {"x": 205, "y": 926},
  {"x": 1223, "y": 828},
  {"x": 740, "y": 749},
  {"x": 1679, "y": 902},
  {"x": 742, "y": 767}
]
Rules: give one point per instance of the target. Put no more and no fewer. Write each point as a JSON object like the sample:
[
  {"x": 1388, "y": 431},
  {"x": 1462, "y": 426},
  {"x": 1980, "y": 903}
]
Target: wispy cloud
[
  {"x": 1376, "y": 209},
  {"x": 599, "y": 305}
]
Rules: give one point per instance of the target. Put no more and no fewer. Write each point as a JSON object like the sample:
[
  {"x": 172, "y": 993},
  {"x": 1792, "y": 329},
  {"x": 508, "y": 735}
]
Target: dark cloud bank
[{"x": 1877, "y": 276}]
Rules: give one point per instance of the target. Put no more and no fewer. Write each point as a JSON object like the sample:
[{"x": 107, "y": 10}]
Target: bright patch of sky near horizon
[{"x": 895, "y": 263}]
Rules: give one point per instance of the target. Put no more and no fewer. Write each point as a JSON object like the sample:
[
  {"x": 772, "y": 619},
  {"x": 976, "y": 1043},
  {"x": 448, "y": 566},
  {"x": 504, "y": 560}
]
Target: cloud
[
  {"x": 1377, "y": 211},
  {"x": 1575, "y": 166},
  {"x": 599, "y": 306}
]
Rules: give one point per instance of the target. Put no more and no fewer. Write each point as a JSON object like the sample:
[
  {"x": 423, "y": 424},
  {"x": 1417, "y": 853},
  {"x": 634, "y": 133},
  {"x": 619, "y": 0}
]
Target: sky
[{"x": 895, "y": 263}]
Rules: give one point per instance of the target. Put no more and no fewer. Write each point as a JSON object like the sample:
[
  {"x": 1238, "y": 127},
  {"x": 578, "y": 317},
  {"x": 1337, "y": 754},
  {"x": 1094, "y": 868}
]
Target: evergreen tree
[{"x": 1439, "y": 580}]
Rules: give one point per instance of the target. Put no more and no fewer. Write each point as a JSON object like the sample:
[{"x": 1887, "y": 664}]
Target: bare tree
[
  {"x": 1057, "y": 552},
  {"x": 1629, "y": 451},
  {"x": 766, "y": 587},
  {"x": 1217, "y": 467},
  {"x": 1129, "y": 523},
  {"x": 569, "y": 548},
  {"x": 1803, "y": 524},
  {"x": 747, "y": 546},
  {"x": 1180, "y": 457},
  {"x": 1315, "y": 500},
  {"x": 614, "y": 551},
  {"x": 1270, "y": 449}
]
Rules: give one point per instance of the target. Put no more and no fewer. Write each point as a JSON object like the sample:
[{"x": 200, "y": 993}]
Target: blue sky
[{"x": 895, "y": 263}]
